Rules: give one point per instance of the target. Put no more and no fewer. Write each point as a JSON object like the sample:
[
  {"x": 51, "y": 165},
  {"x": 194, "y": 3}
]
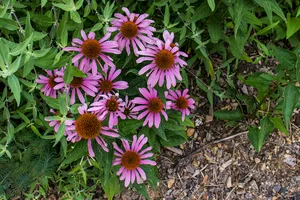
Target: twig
[
  {"x": 17, "y": 20},
  {"x": 175, "y": 150},
  {"x": 214, "y": 142}
]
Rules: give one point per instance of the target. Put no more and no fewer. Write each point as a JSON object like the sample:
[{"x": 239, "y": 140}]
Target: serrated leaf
[
  {"x": 214, "y": 27},
  {"x": 285, "y": 57},
  {"x": 112, "y": 187},
  {"x": 20, "y": 48},
  {"x": 15, "y": 87}
]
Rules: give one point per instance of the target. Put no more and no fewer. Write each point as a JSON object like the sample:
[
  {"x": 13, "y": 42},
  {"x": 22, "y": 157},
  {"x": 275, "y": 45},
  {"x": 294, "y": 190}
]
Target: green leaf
[
  {"x": 279, "y": 125},
  {"x": 63, "y": 30},
  {"x": 78, "y": 4},
  {"x": 63, "y": 104},
  {"x": 97, "y": 27},
  {"x": 20, "y": 48},
  {"x": 211, "y": 4},
  {"x": 68, "y": 75},
  {"x": 8, "y": 24},
  {"x": 112, "y": 187},
  {"x": 40, "y": 53},
  {"x": 174, "y": 138},
  {"x": 15, "y": 65},
  {"x": 258, "y": 136},
  {"x": 78, "y": 73},
  {"x": 252, "y": 19},
  {"x": 51, "y": 101},
  {"x": 28, "y": 27},
  {"x": 60, "y": 132},
  {"x": 75, "y": 16},
  {"x": 185, "y": 78},
  {"x": 28, "y": 66},
  {"x": 64, "y": 146},
  {"x": 271, "y": 6},
  {"x": 167, "y": 15},
  {"x": 298, "y": 70},
  {"x": 267, "y": 28},
  {"x": 128, "y": 126},
  {"x": 15, "y": 87},
  {"x": 63, "y": 6},
  {"x": 238, "y": 10},
  {"x": 202, "y": 12},
  {"x": 78, "y": 151},
  {"x": 43, "y": 2},
  {"x": 141, "y": 188},
  {"x": 285, "y": 57},
  {"x": 291, "y": 96},
  {"x": 232, "y": 115},
  {"x": 214, "y": 27},
  {"x": 293, "y": 25}
]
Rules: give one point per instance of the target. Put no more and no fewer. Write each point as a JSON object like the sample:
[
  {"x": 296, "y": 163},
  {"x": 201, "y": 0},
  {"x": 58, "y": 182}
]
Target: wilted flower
[
  {"x": 107, "y": 85},
  {"x": 91, "y": 49},
  {"x": 165, "y": 63},
  {"x": 110, "y": 105},
  {"x": 153, "y": 105},
  {"x": 131, "y": 159},
  {"x": 52, "y": 84},
  {"x": 133, "y": 28},
  {"x": 180, "y": 101},
  {"x": 89, "y": 126}
]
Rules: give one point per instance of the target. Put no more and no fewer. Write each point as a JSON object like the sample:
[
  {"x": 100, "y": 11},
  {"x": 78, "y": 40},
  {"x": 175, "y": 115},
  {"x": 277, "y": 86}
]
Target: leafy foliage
[{"x": 33, "y": 34}]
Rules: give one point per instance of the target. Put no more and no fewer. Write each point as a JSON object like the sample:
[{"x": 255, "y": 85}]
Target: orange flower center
[
  {"x": 182, "y": 103},
  {"x": 91, "y": 48},
  {"x": 76, "y": 82},
  {"x": 129, "y": 29},
  {"x": 164, "y": 59},
  {"x": 130, "y": 160},
  {"x": 172, "y": 45},
  {"x": 112, "y": 104},
  {"x": 88, "y": 126},
  {"x": 106, "y": 86},
  {"x": 155, "y": 105},
  {"x": 51, "y": 81}
]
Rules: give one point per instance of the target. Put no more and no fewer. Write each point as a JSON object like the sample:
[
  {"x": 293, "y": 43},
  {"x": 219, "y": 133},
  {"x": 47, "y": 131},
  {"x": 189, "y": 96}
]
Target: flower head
[
  {"x": 52, "y": 84},
  {"x": 152, "y": 106},
  {"x": 165, "y": 63},
  {"x": 53, "y": 123},
  {"x": 180, "y": 101},
  {"x": 131, "y": 159},
  {"x": 110, "y": 105},
  {"x": 89, "y": 126},
  {"x": 88, "y": 84},
  {"x": 133, "y": 28},
  {"x": 91, "y": 49},
  {"x": 128, "y": 109},
  {"x": 107, "y": 85}
]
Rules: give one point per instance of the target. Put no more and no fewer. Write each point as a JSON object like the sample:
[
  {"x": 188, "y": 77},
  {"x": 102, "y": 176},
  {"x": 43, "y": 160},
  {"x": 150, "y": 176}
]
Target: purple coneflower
[
  {"x": 165, "y": 63},
  {"x": 131, "y": 159},
  {"x": 110, "y": 105},
  {"x": 107, "y": 85},
  {"x": 89, "y": 126},
  {"x": 180, "y": 101},
  {"x": 133, "y": 28},
  {"x": 128, "y": 109},
  {"x": 88, "y": 85},
  {"x": 91, "y": 49},
  {"x": 153, "y": 105},
  {"x": 51, "y": 83}
]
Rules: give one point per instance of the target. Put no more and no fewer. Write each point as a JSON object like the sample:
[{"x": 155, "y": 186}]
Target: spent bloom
[
  {"x": 89, "y": 126},
  {"x": 91, "y": 49},
  {"x": 128, "y": 109},
  {"x": 132, "y": 158},
  {"x": 180, "y": 101},
  {"x": 110, "y": 105},
  {"x": 88, "y": 84},
  {"x": 152, "y": 106},
  {"x": 133, "y": 28},
  {"x": 107, "y": 85},
  {"x": 52, "y": 83},
  {"x": 165, "y": 63}
]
